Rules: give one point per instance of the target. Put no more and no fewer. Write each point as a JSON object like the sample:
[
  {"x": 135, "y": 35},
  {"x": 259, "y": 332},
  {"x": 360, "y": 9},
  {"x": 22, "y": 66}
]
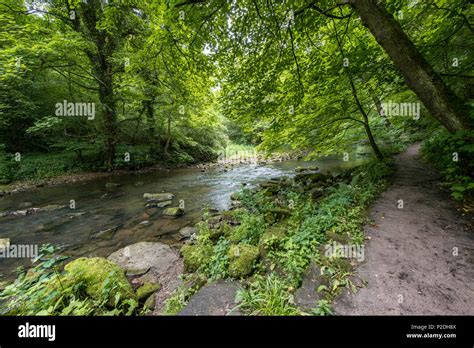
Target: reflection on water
[{"x": 105, "y": 220}]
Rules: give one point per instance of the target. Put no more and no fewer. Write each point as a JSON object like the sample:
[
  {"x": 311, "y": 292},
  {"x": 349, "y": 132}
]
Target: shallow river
[{"x": 122, "y": 209}]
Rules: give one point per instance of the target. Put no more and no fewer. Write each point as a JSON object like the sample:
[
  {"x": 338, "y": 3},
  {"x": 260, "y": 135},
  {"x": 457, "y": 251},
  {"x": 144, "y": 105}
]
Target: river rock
[
  {"x": 158, "y": 197},
  {"x": 105, "y": 234},
  {"x": 52, "y": 207},
  {"x": 307, "y": 295},
  {"x": 157, "y": 257},
  {"x": 187, "y": 232},
  {"x": 214, "y": 299},
  {"x": 158, "y": 204},
  {"x": 111, "y": 185},
  {"x": 25, "y": 205},
  {"x": 173, "y": 211},
  {"x": 138, "y": 184},
  {"x": 150, "y": 302},
  {"x": 146, "y": 290},
  {"x": 242, "y": 258},
  {"x": 94, "y": 273}
]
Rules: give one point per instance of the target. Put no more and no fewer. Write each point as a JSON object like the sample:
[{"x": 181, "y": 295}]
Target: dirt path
[{"x": 410, "y": 264}]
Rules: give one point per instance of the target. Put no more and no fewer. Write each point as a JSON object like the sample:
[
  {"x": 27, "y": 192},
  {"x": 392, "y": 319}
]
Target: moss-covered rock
[
  {"x": 241, "y": 259},
  {"x": 146, "y": 290},
  {"x": 97, "y": 273},
  {"x": 195, "y": 256},
  {"x": 173, "y": 211},
  {"x": 150, "y": 302},
  {"x": 271, "y": 238}
]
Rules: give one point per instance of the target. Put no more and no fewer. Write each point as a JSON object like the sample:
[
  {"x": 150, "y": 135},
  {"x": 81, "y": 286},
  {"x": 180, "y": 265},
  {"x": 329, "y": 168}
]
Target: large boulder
[
  {"x": 151, "y": 263},
  {"x": 158, "y": 257},
  {"x": 96, "y": 273},
  {"x": 242, "y": 258}
]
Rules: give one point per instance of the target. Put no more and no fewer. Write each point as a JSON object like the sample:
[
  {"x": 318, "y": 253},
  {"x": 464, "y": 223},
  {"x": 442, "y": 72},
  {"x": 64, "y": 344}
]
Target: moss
[
  {"x": 146, "y": 290},
  {"x": 173, "y": 211},
  {"x": 195, "y": 256},
  {"x": 96, "y": 273},
  {"x": 271, "y": 238},
  {"x": 150, "y": 302},
  {"x": 241, "y": 260}
]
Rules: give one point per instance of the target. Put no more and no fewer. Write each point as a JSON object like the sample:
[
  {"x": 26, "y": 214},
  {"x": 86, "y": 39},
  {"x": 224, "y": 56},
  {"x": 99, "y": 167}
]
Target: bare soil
[{"x": 419, "y": 260}]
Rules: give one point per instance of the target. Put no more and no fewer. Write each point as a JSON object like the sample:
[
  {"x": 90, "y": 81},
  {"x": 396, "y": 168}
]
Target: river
[{"x": 121, "y": 211}]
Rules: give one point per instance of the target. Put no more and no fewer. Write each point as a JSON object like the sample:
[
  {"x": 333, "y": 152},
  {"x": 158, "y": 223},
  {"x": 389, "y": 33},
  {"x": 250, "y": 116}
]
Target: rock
[
  {"x": 158, "y": 197},
  {"x": 341, "y": 238},
  {"x": 158, "y": 204},
  {"x": 25, "y": 205},
  {"x": 214, "y": 299},
  {"x": 138, "y": 184},
  {"x": 136, "y": 272},
  {"x": 277, "y": 214},
  {"x": 95, "y": 273},
  {"x": 236, "y": 196},
  {"x": 307, "y": 295},
  {"x": 106, "y": 234},
  {"x": 303, "y": 169},
  {"x": 78, "y": 214},
  {"x": 156, "y": 257},
  {"x": 271, "y": 238},
  {"x": 174, "y": 211},
  {"x": 20, "y": 213},
  {"x": 187, "y": 232},
  {"x": 195, "y": 255},
  {"x": 150, "y": 302},
  {"x": 52, "y": 207},
  {"x": 241, "y": 259},
  {"x": 3, "y": 285},
  {"x": 311, "y": 177},
  {"x": 146, "y": 290},
  {"x": 111, "y": 185}
]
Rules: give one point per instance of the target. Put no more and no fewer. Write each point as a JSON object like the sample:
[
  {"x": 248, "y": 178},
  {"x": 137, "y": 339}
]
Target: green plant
[{"x": 267, "y": 295}]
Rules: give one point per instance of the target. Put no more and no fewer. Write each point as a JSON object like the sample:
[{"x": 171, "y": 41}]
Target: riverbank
[{"x": 80, "y": 177}]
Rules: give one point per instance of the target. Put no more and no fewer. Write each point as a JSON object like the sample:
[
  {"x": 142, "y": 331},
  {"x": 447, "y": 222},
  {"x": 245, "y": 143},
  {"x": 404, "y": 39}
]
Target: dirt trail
[{"x": 410, "y": 263}]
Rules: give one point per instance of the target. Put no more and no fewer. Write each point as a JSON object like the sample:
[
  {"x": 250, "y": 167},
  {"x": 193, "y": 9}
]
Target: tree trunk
[
  {"x": 419, "y": 75},
  {"x": 169, "y": 135}
]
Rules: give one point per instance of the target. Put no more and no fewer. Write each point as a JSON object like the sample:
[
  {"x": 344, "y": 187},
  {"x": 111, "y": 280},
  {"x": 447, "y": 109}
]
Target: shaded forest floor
[{"x": 418, "y": 259}]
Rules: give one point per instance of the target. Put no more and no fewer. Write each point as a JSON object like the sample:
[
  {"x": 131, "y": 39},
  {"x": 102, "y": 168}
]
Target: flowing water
[{"x": 121, "y": 211}]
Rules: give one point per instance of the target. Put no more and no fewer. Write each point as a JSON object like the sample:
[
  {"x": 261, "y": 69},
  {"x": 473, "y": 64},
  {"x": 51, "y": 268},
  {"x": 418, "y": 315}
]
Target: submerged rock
[
  {"x": 52, "y": 207},
  {"x": 158, "y": 197},
  {"x": 25, "y": 205},
  {"x": 195, "y": 256},
  {"x": 241, "y": 259},
  {"x": 158, "y": 204},
  {"x": 111, "y": 185}
]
